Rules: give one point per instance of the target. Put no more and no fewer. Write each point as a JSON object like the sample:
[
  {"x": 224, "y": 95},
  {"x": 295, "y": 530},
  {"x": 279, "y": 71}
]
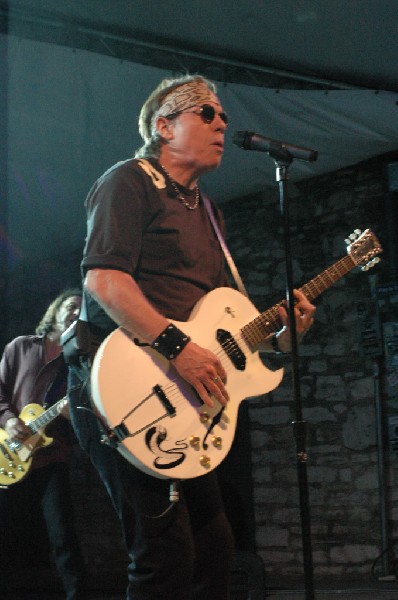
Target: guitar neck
[
  {"x": 269, "y": 321},
  {"x": 45, "y": 418}
]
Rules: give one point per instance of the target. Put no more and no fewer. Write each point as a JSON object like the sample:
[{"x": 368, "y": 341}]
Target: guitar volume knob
[
  {"x": 205, "y": 461},
  {"x": 194, "y": 441},
  {"x": 204, "y": 417}
]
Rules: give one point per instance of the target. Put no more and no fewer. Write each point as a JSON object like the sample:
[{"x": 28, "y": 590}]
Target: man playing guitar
[
  {"x": 151, "y": 254},
  {"x": 32, "y": 370}
]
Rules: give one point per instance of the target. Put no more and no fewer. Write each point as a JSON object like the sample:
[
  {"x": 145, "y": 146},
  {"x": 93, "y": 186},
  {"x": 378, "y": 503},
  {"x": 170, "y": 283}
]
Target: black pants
[
  {"x": 44, "y": 493},
  {"x": 180, "y": 551}
]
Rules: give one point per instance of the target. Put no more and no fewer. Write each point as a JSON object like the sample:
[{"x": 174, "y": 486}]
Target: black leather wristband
[
  {"x": 275, "y": 344},
  {"x": 171, "y": 342}
]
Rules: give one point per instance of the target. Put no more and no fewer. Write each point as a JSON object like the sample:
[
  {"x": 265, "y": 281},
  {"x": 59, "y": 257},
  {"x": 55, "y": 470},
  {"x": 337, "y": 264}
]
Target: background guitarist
[
  {"x": 32, "y": 370},
  {"x": 151, "y": 254}
]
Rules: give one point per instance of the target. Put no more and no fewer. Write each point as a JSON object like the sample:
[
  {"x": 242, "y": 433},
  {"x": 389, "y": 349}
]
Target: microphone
[{"x": 248, "y": 140}]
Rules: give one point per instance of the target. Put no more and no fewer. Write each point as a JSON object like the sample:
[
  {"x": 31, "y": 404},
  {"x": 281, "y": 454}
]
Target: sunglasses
[{"x": 206, "y": 112}]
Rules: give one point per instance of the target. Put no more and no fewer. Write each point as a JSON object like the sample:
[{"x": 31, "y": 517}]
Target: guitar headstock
[{"x": 364, "y": 248}]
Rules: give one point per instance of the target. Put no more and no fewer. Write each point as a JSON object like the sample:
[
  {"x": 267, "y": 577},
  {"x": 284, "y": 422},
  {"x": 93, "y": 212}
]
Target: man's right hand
[
  {"x": 204, "y": 371},
  {"x": 17, "y": 429}
]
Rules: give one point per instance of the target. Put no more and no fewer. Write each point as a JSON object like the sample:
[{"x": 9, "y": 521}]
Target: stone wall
[{"x": 338, "y": 388}]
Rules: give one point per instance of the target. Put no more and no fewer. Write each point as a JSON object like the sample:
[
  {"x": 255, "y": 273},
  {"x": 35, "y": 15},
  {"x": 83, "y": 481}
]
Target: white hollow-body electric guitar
[{"x": 155, "y": 418}]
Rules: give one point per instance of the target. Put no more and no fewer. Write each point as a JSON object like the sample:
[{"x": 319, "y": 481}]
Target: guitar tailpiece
[{"x": 111, "y": 437}]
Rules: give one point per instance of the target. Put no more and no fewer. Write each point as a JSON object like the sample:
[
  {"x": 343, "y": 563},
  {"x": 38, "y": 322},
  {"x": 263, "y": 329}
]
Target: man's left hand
[{"x": 304, "y": 316}]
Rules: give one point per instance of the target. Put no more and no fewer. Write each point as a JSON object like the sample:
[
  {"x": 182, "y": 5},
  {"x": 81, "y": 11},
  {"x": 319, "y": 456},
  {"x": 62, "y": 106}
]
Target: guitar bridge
[
  {"x": 171, "y": 411},
  {"x": 5, "y": 452}
]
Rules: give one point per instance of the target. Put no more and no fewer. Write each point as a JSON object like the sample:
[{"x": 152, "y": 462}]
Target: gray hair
[{"x": 152, "y": 139}]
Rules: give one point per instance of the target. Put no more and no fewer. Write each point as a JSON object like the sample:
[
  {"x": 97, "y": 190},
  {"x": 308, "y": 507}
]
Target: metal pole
[
  {"x": 299, "y": 425},
  {"x": 381, "y": 467}
]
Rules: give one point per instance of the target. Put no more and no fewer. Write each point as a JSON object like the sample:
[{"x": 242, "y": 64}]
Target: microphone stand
[{"x": 282, "y": 159}]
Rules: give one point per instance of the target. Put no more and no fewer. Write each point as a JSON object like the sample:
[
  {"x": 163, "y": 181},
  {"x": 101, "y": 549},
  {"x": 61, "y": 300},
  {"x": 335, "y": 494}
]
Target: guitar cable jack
[{"x": 174, "y": 493}]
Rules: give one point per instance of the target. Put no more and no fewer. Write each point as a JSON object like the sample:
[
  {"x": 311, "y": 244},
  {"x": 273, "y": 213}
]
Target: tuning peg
[
  {"x": 358, "y": 232},
  {"x": 371, "y": 263},
  {"x": 353, "y": 236},
  {"x": 347, "y": 241}
]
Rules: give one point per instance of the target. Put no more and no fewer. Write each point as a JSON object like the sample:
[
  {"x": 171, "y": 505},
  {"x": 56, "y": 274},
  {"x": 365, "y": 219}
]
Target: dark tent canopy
[{"x": 320, "y": 74}]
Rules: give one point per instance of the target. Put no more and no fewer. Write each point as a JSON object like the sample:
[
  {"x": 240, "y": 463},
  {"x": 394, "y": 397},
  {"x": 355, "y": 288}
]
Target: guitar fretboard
[
  {"x": 45, "y": 418},
  {"x": 269, "y": 321}
]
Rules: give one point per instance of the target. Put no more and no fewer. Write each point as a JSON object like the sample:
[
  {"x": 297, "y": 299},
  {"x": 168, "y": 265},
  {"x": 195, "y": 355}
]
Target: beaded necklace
[{"x": 182, "y": 198}]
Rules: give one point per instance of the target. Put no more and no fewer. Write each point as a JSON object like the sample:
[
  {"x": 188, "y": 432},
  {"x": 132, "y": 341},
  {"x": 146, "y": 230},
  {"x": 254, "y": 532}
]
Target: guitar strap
[
  {"x": 57, "y": 388},
  {"x": 227, "y": 254},
  {"x": 76, "y": 340}
]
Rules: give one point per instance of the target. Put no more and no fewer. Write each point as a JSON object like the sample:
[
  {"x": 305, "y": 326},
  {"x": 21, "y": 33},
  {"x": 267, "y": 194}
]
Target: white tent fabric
[
  {"x": 344, "y": 127},
  {"x": 73, "y": 113}
]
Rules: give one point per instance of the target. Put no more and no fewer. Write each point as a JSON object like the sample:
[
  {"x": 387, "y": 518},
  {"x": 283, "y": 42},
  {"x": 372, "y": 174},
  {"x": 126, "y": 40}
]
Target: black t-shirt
[{"x": 137, "y": 224}]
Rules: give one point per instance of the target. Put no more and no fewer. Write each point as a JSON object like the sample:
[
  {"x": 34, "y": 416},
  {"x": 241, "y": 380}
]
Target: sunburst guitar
[
  {"x": 154, "y": 417},
  {"x": 16, "y": 455}
]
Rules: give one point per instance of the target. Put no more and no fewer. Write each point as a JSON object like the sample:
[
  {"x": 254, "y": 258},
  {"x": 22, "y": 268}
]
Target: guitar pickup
[{"x": 231, "y": 348}]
